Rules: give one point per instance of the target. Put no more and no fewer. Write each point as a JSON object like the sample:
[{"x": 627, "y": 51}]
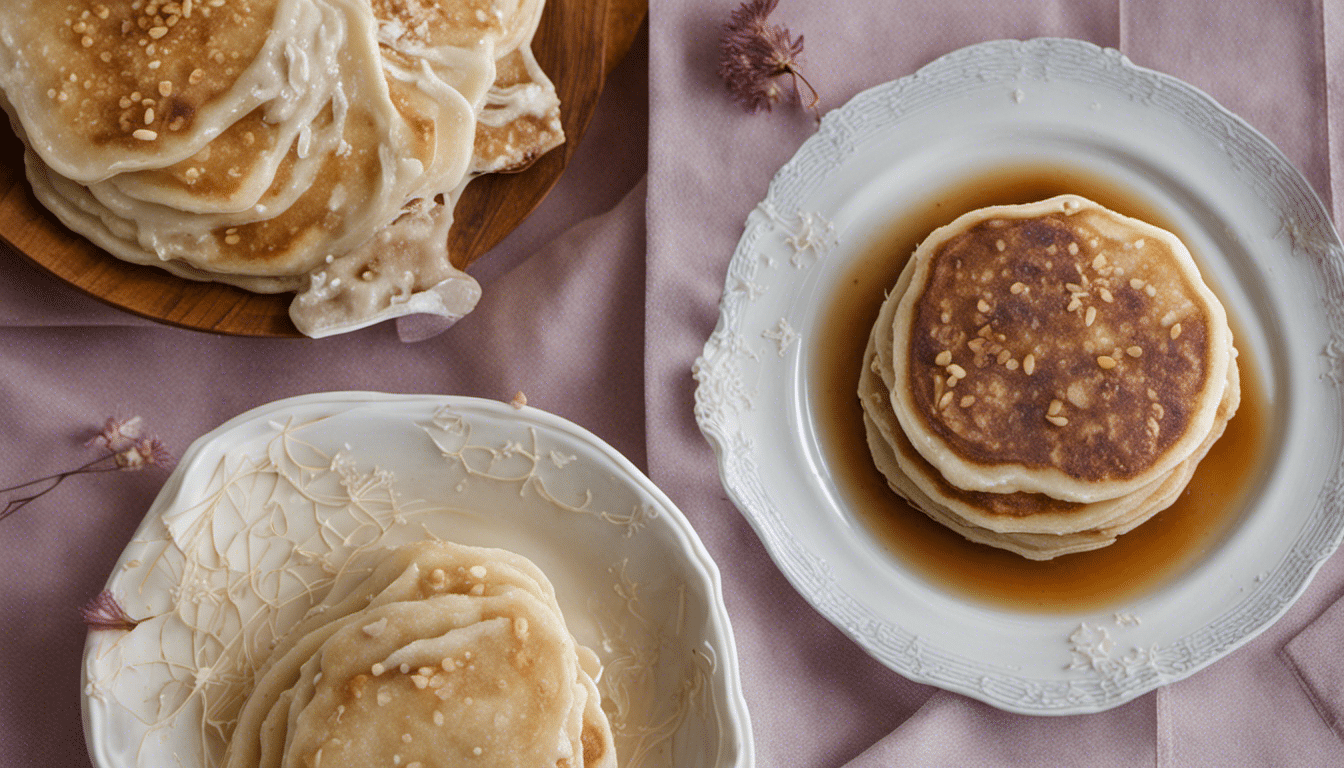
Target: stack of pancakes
[
  {"x": 316, "y": 146},
  {"x": 1045, "y": 377},
  {"x": 444, "y": 655}
]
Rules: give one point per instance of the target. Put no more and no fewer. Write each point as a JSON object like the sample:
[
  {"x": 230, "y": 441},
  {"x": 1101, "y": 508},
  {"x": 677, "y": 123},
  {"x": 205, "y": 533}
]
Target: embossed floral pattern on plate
[
  {"x": 291, "y": 500},
  {"x": 1269, "y": 247}
]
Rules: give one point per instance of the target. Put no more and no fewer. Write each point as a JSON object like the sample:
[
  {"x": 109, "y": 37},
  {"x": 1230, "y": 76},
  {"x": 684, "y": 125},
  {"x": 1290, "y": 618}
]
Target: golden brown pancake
[
  {"x": 974, "y": 400},
  {"x": 1057, "y": 348},
  {"x": 444, "y": 652},
  {"x": 316, "y": 146},
  {"x": 520, "y": 120}
]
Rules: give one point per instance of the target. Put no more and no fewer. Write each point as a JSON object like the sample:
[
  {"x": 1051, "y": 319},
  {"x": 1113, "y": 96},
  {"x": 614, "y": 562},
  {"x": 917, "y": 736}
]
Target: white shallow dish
[
  {"x": 1267, "y": 243},
  {"x": 275, "y": 501}
]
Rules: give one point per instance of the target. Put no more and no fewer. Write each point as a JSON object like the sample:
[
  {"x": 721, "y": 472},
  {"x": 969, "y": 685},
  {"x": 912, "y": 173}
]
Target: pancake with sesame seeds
[
  {"x": 114, "y": 85},
  {"x": 1033, "y": 525},
  {"x": 504, "y": 677},
  {"x": 397, "y": 144},
  {"x": 1009, "y": 512},
  {"x": 314, "y": 146},
  {"x": 419, "y": 647},
  {"x": 1057, "y": 348}
]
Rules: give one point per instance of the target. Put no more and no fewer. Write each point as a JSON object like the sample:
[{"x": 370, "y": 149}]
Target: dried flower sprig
[
  {"x": 753, "y": 55},
  {"x": 104, "y": 612},
  {"x": 125, "y": 448}
]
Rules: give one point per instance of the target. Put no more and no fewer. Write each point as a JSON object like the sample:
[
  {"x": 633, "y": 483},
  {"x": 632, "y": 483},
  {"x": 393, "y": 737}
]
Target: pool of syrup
[{"x": 1140, "y": 560}]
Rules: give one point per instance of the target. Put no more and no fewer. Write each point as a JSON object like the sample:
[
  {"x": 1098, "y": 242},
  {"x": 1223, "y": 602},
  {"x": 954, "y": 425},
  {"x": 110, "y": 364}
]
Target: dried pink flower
[
  {"x": 118, "y": 434},
  {"x": 145, "y": 452},
  {"x": 125, "y": 449},
  {"x": 753, "y": 54},
  {"x": 104, "y": 612}
]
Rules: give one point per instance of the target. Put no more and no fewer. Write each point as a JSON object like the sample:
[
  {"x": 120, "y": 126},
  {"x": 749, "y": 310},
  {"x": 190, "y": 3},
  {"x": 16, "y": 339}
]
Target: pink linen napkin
[{"x": 815, "y": 699}]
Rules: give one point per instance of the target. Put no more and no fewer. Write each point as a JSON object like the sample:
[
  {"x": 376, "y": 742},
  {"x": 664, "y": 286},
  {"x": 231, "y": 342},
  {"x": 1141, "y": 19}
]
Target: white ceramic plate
[
  {"x": 263, "y": 513},
  {"x": 1267, "y": 243}
]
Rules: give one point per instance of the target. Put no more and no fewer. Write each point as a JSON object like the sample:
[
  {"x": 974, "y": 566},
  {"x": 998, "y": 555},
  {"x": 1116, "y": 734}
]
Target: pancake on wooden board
[{"x": 315, "y": 146}]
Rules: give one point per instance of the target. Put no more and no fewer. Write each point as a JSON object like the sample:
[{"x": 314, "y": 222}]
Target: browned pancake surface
[{"x": 1058, "y": 342}]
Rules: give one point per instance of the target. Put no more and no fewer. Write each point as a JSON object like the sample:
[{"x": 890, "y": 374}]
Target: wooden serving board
[{"x": 574, "y": 44}]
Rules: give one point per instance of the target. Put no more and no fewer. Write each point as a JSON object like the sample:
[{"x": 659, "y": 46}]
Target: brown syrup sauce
[{"x": 1140, "y": 560}]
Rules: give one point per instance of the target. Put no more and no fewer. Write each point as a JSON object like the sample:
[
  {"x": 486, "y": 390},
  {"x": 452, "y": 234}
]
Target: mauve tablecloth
[{"x": 594, "y": 326}]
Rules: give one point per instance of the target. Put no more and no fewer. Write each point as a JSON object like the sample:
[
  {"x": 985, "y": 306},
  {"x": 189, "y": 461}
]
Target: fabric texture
[{"x": 596, "y": 308}]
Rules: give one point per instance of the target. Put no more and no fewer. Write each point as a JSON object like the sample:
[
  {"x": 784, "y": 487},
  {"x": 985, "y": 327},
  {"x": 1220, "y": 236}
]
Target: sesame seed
[
  {"x": 1090, "y": 316},
  {"x": 87, "y": 41},
  {"x": 157, "y": 32},
  {"x": 1011, "y": 365},
  {"x": 977, "y": 344},
  {"x": 952, "y": 381},
  {"x": 1073, "y": 249},
  {"x": 1105, "y": 295},
  {"x": 1029, "y": 364},
  {"x": 1052, "y": 249},
  {"x": 149, "y": 116},
  {"x": 196, "y": 76},
  {"x": 1150, "y": 290},
  {"x": 1004, "y": 356},
  {"x": 1074, "y": 304},
  {"x": 1134, "y": 351},
  {"x": 166, "y": 88},
  {"x": 1016, "y": 288},
  {"x": 1106, "y": 362},
  {"x": 982, "y": 305},
  {"x": 377, "y": 669},
  {"x": 1099, "y": 262},
  {"x": 1175, "y": 331},
  {"x": 1000, "y": 245},
  {"x": 1055, "y": 407},
  {"x": 144, "y": 134},
  {"x": 957, "y": 371},
  {"x": 943, "y": 358},
  {"x": 945, "y": 400},
  {"x": 1058, "y": 421},
  {"x": 1135, "y": 283},
  {"x": 967, "y": 401}
]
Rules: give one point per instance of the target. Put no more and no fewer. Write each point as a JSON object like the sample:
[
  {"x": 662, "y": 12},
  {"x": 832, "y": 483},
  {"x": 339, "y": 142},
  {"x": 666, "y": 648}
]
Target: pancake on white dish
[
  {"x": 1022, "y": 241},
  {"x": 441, "y": 651},
  {"x": 1057, "y": 348}
]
